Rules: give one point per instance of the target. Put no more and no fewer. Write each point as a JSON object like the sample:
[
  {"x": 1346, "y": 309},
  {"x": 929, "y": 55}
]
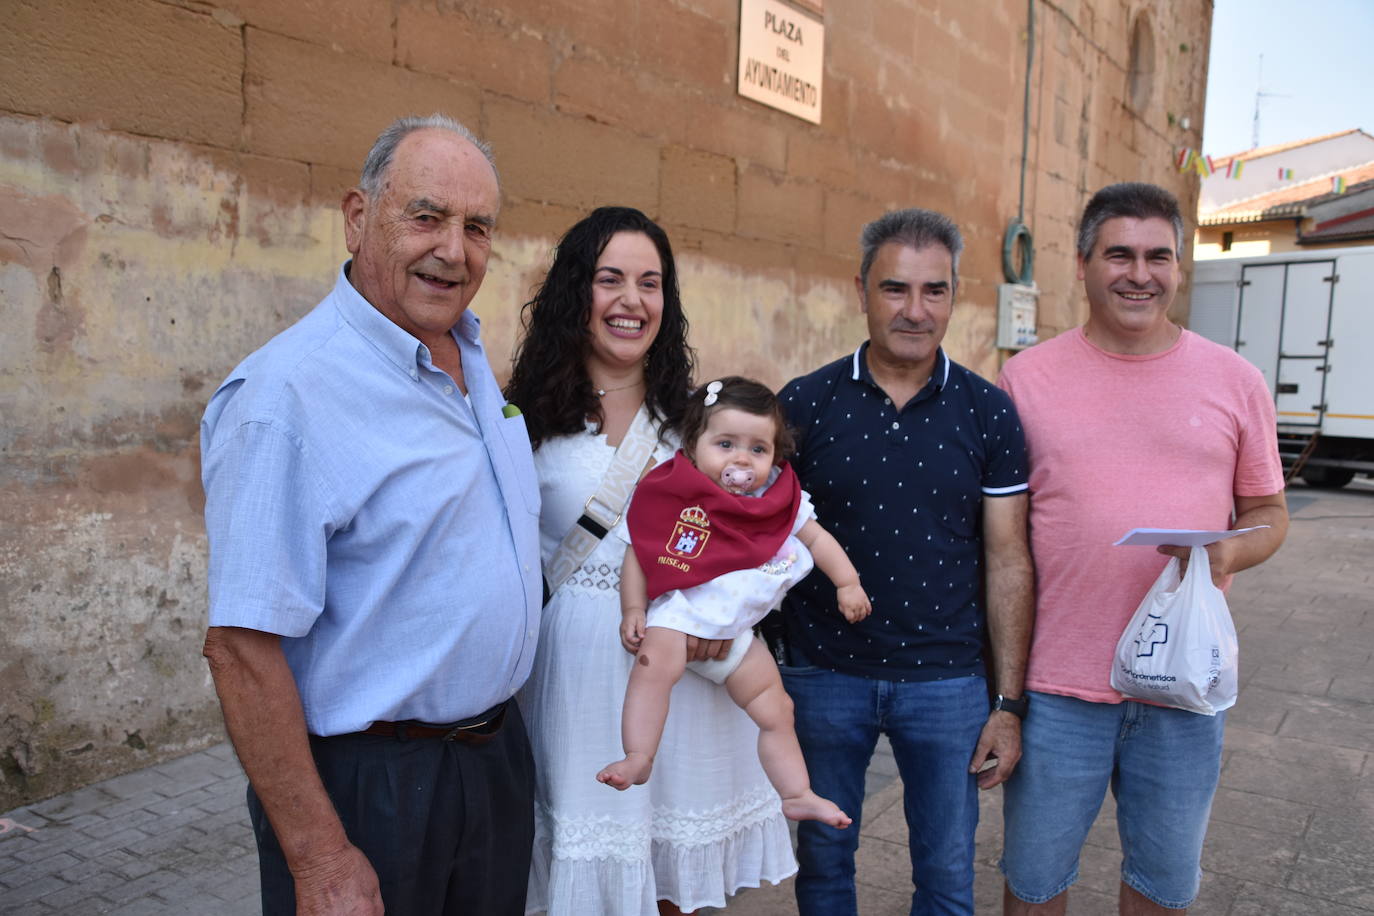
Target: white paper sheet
[{"x": 1181, "y": 537}]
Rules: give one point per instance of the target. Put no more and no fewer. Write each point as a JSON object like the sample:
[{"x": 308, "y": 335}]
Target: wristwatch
[{"x": 1016, "y": 707}]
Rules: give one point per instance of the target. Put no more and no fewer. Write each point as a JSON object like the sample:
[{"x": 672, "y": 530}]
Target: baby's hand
[
  {"x": 632, "y": 631},
  {"x": 853, "y": 602}
]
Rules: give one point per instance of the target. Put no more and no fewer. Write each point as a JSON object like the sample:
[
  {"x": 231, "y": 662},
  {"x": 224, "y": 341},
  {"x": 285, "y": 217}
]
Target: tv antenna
[{"x": 1260, "y": 95}]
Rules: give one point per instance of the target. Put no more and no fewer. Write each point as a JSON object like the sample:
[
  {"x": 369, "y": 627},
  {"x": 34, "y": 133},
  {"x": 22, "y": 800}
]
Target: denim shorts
[{"x": 1162, "y": 766}]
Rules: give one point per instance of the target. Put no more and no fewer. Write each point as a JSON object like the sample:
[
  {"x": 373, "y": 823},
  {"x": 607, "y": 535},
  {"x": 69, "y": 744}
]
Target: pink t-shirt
[{"x": 1118, "y": 442}]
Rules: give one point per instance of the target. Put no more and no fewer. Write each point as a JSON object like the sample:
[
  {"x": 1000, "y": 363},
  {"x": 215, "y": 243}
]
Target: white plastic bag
[{"x": 1180, "y": 648}]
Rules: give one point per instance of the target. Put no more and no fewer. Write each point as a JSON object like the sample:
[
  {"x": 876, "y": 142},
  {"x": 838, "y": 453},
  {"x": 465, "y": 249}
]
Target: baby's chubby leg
[
  {"x": 756, "y": 687},
  {"x": 658, "y": 666}
]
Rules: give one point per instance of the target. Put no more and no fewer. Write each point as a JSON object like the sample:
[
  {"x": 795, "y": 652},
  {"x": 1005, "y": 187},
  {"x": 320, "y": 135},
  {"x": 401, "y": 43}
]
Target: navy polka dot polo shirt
[{"x": 901, "y": 488}]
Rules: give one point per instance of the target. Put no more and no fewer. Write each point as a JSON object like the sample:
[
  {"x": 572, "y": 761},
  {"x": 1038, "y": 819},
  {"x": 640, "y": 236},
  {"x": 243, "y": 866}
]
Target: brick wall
[{"x": 170, "y": 172}]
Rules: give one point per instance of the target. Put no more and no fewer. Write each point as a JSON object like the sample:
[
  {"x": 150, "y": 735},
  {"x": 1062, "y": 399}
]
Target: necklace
[{"x": 602, "y": 392}]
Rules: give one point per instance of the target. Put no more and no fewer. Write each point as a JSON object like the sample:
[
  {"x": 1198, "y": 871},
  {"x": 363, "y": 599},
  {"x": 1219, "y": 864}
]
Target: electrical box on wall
[{"x": 1016, "y": 316}]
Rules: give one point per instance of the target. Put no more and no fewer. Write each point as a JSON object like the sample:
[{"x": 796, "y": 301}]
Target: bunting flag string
[{"x": 1188, "y": 159}]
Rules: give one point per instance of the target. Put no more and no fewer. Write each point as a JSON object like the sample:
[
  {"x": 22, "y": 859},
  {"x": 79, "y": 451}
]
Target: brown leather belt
[{"x": 478, "y": 730}]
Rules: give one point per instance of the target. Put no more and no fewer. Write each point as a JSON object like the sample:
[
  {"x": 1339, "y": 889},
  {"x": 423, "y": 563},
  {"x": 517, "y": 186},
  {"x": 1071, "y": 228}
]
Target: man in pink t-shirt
[{"x": 1130, "y": 421}]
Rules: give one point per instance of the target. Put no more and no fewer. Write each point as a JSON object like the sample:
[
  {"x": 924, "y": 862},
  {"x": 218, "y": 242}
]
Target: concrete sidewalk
[{"x": 1292, "y": 828}]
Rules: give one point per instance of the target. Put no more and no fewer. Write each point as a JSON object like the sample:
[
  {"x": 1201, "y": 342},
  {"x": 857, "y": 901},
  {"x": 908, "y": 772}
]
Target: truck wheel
[{"x": 1333, "y": 478}]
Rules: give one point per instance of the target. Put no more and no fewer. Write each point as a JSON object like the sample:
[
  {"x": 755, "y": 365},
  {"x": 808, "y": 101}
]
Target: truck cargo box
[{"x": 1306, "y": 321}]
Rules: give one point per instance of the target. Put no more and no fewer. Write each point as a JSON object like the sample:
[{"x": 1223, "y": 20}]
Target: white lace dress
[{"x": 707, "y": 823}]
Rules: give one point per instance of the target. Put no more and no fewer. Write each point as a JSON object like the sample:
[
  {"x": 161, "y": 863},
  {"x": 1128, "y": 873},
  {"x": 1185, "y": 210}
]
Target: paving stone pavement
[{"x": 1292, "y": 829}]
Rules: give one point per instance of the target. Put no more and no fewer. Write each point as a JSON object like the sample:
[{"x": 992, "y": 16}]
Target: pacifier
[{"x": 737, "y": 479}]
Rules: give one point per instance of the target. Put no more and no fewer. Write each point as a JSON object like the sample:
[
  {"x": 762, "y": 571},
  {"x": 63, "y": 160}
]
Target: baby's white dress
[{"x": 728, "y": 606}]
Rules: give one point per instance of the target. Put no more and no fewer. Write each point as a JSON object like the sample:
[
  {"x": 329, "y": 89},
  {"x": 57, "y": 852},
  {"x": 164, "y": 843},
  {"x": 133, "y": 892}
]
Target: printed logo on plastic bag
[{"x": 1180, "y": 647}]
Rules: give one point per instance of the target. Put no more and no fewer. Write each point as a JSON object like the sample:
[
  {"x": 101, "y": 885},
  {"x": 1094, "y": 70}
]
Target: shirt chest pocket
[{"x": 517, "y": 470}]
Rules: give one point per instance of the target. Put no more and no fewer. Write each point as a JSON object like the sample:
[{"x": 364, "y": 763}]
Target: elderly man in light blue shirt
[{"x": 374, "y": 563}]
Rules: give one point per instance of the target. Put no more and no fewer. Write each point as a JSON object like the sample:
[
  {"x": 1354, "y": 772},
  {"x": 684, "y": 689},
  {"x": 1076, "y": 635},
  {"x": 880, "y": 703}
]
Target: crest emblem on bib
[{"x": 689, "y": 534}]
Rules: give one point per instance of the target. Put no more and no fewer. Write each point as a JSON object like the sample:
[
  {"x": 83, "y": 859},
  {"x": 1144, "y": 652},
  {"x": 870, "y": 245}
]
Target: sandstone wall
[{"x": 170, "y": 173}]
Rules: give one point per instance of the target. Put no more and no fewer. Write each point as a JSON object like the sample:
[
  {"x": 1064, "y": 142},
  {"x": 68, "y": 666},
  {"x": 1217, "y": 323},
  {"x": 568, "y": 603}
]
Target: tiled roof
[
  {"x": 1288, "y": 201},
  {"x": 1262, "y": 151},
  {"x": 1360, "y": 227}
]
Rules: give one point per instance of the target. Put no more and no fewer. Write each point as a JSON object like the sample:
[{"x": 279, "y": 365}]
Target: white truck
[{"x": 1306, "y": 320}]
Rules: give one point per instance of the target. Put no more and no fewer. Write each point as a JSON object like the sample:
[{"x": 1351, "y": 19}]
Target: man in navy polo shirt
[{"x": 918, "y": 467}]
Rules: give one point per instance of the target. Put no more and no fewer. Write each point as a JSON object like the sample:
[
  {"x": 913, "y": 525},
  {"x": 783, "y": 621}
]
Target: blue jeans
[
  {"x": 1162, "y": 766},
  {"x": 933, "y": 727}
]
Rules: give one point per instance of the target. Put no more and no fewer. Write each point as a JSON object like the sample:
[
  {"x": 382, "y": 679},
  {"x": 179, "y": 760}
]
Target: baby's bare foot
[
  {"x": 632, "y": 771},
  {"x": 809, "y": 806}
]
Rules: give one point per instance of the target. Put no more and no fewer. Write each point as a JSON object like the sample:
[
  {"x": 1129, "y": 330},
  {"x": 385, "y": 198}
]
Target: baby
[{"x": 717, "y": 536}]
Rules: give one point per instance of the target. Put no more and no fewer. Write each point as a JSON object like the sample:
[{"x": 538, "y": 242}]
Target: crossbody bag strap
[{"x": 604, "y": 507}]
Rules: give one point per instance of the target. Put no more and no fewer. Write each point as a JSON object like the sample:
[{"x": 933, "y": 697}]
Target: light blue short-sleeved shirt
[{"x": 388, "y": 528}]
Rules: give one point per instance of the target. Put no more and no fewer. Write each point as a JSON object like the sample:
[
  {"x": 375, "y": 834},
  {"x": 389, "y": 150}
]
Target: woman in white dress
[{"x": 604, "y": 334}]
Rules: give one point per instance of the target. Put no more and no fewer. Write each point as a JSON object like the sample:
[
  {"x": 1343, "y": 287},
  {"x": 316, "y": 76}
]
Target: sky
[{"x": 1317, "y": 61}]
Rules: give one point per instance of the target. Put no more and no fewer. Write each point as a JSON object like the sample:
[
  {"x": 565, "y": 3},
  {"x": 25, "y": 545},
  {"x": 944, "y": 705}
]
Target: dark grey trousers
[{"x": 448, "y": 826}]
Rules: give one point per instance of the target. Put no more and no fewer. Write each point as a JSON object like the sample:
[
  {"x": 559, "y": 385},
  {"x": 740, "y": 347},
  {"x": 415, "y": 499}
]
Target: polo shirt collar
[
  {"x": 396, "y": 344},
  {"x": 859, "y": 371}
]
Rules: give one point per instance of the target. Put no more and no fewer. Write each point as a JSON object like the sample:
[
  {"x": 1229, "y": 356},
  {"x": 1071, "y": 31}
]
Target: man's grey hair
[
  {"x": 915, "y": 228},
  {"x": 1134, "y": 199},
  {"x": 380, "y": 156}
]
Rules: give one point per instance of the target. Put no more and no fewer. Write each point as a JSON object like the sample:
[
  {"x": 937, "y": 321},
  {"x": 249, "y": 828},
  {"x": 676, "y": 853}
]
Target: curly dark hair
[
  {"x": 739, "y": 393},
  {"x": 549, "y": 382}
]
